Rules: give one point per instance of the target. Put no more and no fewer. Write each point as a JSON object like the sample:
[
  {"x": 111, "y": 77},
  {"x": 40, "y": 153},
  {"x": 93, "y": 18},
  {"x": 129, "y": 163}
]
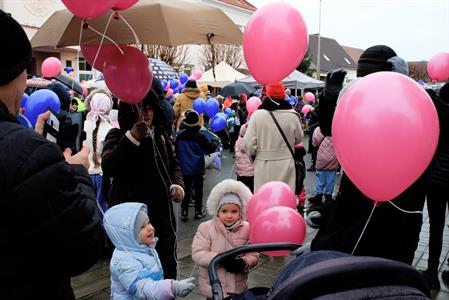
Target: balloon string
[
  {"x": 102, "y": 40},
  {"x": 108, "y": 38},
  {"x": 406, "y": 211},
  {"x": 78, "y": 52},
  {"x": 136, "y": 38},
  {"x": 363, "y": 231}
]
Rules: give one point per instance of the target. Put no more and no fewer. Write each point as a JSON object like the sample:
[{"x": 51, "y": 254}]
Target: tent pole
[{"x": 210, "y": 35}]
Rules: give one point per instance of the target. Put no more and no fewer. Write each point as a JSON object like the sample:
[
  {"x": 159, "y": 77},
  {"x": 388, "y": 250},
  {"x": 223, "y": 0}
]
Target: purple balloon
[{"x": 198, "y": 105}]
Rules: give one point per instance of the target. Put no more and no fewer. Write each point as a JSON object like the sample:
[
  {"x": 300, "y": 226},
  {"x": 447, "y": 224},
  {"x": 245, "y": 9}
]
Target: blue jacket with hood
[{"x": 136, "y": 271}]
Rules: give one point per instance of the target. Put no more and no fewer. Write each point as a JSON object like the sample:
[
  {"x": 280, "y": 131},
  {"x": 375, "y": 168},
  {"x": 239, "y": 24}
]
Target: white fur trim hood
[{"x": 228, "y": 186}]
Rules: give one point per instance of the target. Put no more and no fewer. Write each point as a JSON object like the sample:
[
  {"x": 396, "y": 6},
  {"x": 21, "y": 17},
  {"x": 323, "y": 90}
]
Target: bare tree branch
[
  {"x": 418, "y": 70},
  {"x": 171, "y": 55},
  {"x": 232, "y": 55}
]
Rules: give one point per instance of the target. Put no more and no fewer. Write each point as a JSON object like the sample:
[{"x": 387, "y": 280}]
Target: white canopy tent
[
  {"x": 296, "y": 80},
  {"x": 224, "y": 75}
]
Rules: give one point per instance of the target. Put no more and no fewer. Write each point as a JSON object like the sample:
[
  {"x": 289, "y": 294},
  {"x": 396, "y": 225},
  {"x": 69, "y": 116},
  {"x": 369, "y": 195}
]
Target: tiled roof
[
  {"x": 353, "y": 52},
  {"x": 240, "y": 3},
  {"x": 332, "y": 54}
]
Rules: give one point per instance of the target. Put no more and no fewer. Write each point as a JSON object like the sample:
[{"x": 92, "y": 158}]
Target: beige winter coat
[
  {"x": 184, "y": 102},
  {"x": 213, "y": 238},
  {"x": 266, "y": 147}
]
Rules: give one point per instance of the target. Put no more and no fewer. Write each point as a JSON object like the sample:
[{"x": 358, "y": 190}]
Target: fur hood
[
  {"x": 192, "y": 93},
  {"x": 229, "y": 186}
]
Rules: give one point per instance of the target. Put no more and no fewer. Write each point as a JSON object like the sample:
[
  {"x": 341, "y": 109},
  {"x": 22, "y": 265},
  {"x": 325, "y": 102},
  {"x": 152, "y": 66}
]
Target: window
[
  {"x": 347, "y": 61},
  {"x": 84, "y": 65},
  {"x": 85, "y": 70},
  {"x": 325, "y": 57},
  {"x": 68, "y": 63}
]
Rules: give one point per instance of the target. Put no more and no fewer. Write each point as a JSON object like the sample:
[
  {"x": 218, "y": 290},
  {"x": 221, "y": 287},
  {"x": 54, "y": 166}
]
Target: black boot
[
  {"x": 315, "y": 202},
  {"x": 328, "y": 198}
]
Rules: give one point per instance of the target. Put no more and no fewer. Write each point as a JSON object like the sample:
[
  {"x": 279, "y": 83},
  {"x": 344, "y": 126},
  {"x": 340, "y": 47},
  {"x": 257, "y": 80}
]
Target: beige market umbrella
[{"x": 165, "y": 22}]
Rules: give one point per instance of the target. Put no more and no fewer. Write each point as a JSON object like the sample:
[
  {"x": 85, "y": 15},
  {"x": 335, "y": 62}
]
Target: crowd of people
[{"x": 62, "y": 210}]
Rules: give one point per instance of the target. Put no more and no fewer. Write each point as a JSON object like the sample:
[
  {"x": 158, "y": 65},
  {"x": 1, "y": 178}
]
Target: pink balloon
[
  {"x": 124, "y": 4},
  {"x": 197, "y": 74},
  {"x": 253, "y": 104},
  {"x": 268, "y": 52},
  {"x": 87, "y": 9},
  {"x": 438, "y": 67},
  {"x": 169, "y": 92},
  {"x": 85, "y": 91},
  {"x": 270, "y": 194},
  {"x": 51, "y": 67},
  {"x": 128, "y": 75},
  {"x": 310, "y": 97},
  {"x": 306, "y": 109},
  {"x": 385, "y": 131},
  {"x": 278, "y": 225},
  {"x": 90, "y": 51},
  {"x": 192, "y": 77}
]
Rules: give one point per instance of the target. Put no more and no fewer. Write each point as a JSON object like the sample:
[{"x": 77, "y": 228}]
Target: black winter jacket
[{"x": 50, "y": 228}]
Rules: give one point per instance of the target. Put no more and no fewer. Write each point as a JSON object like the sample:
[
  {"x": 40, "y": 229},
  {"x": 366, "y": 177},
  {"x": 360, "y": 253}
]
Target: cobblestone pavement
[{"x": 94, "y": 284}]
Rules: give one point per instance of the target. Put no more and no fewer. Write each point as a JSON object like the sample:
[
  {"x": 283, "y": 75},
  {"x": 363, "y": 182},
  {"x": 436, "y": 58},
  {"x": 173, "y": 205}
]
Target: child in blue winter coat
[
  {"x": 136, "y": 271},
  {"x": 191, "y": 146}
]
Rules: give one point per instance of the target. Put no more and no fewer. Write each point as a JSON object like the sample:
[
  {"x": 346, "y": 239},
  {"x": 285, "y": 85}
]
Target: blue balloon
[
  {"x": 24, "y": 121},
  {"x": 227, "y": 110},
  {"x": 175, "y": 91},
  {"x": 39, "y": 102},
  {"x": 199, "y": 105},
  {"x": 218, "y": 123},
  {"x": 231, "y": 113},
  {"x": 164, "y": 83},
  {"x": 183, "y": 78},
  {"x": 68, "y": 69},
  {"x": 25, "y": 98},
  {"x": 223, "y": 115},
  {"x": 174, "y": 84},
  {"x": 212, "y": 107}
]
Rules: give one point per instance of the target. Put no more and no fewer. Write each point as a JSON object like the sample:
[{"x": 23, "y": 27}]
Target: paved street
[{"x": 94, "y": 284}]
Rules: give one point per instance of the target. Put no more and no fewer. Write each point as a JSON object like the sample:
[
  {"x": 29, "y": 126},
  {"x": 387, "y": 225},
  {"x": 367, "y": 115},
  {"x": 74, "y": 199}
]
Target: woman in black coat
[{"x": 140, "y": 162}]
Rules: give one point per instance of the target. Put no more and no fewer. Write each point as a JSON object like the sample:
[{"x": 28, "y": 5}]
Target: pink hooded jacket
[
  {"x": 212, "y": 238},
  {"x": 243, "y": 165},
  {"x": 326, "y": 159}
]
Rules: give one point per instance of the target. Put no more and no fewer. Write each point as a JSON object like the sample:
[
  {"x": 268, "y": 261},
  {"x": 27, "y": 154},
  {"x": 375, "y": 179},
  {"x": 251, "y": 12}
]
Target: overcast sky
[{"x": 415, "y": 29}]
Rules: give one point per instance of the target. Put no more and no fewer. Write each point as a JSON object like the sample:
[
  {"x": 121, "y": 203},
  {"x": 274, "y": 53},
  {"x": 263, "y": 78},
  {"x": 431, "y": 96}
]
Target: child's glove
[
  {"x": 234, "y": 265},
  {"x": 183, "y": 287}
]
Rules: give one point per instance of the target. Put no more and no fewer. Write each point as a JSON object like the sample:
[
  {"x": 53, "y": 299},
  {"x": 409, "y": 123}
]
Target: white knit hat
[{"x": 229, "y": 191}]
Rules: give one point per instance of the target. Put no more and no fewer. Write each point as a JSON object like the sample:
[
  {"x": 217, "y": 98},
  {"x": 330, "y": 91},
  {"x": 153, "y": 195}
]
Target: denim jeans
[{"x": 324, "y": 182}]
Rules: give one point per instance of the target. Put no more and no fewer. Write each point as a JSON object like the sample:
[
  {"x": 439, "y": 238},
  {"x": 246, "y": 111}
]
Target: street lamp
[{"x": 319, "y": 45}]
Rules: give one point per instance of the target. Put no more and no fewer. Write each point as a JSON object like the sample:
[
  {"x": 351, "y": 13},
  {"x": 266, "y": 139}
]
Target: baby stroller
[{"x": 330, "y": 275}]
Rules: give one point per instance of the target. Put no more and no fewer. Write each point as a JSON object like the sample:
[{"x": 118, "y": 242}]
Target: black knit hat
[
  {"x": 375, "y": 59},
  {"x": 192, "y": 118},
  {"x": 444, "y": 93},
  {"x": 15, "y": 51},
  {"x": 191, "y": 84}
]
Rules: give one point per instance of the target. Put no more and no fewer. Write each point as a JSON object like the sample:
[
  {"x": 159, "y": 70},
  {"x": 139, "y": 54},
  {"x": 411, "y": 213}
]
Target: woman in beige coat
[
  {"x": 185, "y": 100},
  {"x": 228, "y": 229},
  {"x": 265, "y": 146}
]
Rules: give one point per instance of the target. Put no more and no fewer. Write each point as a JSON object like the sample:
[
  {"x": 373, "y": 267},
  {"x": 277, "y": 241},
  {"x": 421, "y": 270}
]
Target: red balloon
[
  {"x": 438, "y": 67},
  {"x": 90, "y": 51},
  {"x": 88, "y": 9},
  {"x": 278, "y": 225},
  {"x": 124, "y": 4},
  {"x": 271, "y": 194},
  {"x": 128, "y": 75}
]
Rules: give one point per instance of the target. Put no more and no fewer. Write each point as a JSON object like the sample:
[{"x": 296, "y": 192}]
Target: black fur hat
[{"x": 15, "y": 50}]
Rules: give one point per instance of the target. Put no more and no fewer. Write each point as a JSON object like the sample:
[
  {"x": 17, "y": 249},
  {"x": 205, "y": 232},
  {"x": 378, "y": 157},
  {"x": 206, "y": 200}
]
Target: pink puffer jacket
[
  {"x": 213, "y": 238},
  {"x": 326, "y": 159},
  {"x": 243, "y": 165}
]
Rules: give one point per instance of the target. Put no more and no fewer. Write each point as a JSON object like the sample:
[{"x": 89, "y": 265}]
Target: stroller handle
[{"x": 217, "y": 292}]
